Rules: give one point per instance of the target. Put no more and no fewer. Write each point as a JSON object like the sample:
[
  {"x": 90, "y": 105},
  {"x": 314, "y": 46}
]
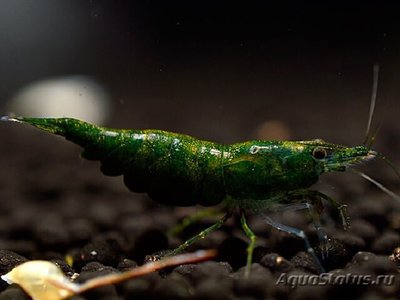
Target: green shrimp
[{"x": 180, "y": 170}]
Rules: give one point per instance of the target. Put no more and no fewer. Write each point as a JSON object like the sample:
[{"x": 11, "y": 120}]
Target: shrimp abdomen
[{"x": 174, "y": 169}]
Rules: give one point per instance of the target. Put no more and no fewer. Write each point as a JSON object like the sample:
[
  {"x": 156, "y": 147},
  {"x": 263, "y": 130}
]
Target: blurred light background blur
[{"x": 222, "y": 70}]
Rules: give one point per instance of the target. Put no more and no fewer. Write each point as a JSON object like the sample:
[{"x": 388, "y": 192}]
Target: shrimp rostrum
[{"x": 179, "y": 170}]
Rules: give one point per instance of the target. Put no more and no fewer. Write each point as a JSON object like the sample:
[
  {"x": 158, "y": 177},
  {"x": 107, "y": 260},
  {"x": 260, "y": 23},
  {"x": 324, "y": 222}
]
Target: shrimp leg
[
  {"x": 297, "y": 232},
  {"x": 202, "y": 234},
  {"x": 315, "y": 214},
  {"x": 316, "y": 196},
  {"x": 250, "y": 248},
  {"x": 321, "y": 234}
]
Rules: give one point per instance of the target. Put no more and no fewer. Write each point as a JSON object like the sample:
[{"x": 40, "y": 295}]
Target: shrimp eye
[{"x": 319, "y": 153}]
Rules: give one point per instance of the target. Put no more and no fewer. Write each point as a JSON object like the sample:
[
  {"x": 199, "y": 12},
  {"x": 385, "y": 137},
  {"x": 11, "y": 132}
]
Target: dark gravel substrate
[{"x": 54, "y": 204}]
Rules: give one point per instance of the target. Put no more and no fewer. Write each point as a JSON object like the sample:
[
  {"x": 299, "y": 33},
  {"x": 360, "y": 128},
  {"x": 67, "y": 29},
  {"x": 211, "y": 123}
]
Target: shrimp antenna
[
  {"x": 373, "y": 137},
  {"x": 389, "y": 163},
  {"x": 377, "y": 184},
  {"x": 373, "y": 101}
]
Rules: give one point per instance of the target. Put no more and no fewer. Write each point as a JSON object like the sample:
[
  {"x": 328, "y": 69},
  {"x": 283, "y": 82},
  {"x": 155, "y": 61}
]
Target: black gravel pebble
[
  {"x": 3, "y": 285},
  {"x": 114, "y": 239},
  {"x": 256, "y": 270},
  {"x": 276, "y": 263},
  {"x": 351, "y": 242},
  {"x": 310, "y": 292},
  {"x": 198, "y": 272},
  {"x": 140, "y": 288},
  {"x": 14, "y": 292},
  {"x": 68, "y": 271},
  {"x": 211, "y": 289},
  {"x": 386, "y": 243},
  {"x": 173, "y": 287},
  {"x": 259, "y": 285},
  {"x": 93, "y": 270},
  {"x": 361, "y": 257},
  {"x": 337, "y": 255},
  {"x": 9, "y": 260},
  {"x": 395, "y": 256},
  {"x": 99, "y": 252},
  {"x": 364, "y": 229},
  {"x": 379, "y": 264},
  {"x": 304, "y": 261},
  {"x": 102, "y": 293},
  {"x": 126, "y": 264}
]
